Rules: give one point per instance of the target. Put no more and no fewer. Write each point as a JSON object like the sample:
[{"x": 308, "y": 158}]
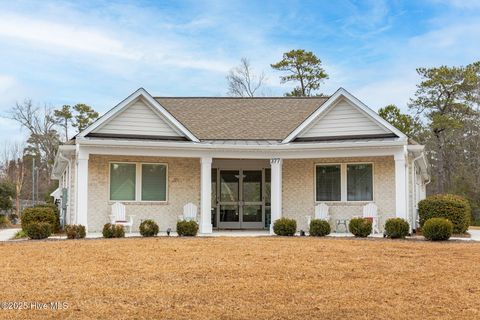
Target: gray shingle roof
[{"x": 241, "y": 118}]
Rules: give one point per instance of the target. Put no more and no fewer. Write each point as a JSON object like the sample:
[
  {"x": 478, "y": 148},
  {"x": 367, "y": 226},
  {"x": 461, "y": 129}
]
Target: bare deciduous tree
[
  {"x": 243, "y": 82},
  {"x": 41, "y": 124},
  {"x": 13, "y": 169}
]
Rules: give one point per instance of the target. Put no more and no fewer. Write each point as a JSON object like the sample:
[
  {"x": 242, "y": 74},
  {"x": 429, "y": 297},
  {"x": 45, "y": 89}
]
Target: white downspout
[
  {"x": 422, "y": 155},
  {"x": 69, "y": 184}
]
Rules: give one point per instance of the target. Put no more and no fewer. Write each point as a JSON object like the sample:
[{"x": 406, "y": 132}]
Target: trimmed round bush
[
  {"x": 39, "y": 214},
  {"x": 148, "y": 228},
  {"x": 396, "y": 228},
  {"x": 360, "y": 227},
  {"x": 75, "y": 231},
  {"x": 54, "y": 207},
  {"x": 38, "y": 230},
  {"x": 451, "y": 207},
  {"x": 187, "y": 228},
  {"x": 107, "y": 231},
  {"x": 118, "y": 231},
  {"x": 437, "y": 229},
  {"x": 113, "y": 231},
  {"x": 319, "y": 228},
  {"x": 285, "y": 227}
]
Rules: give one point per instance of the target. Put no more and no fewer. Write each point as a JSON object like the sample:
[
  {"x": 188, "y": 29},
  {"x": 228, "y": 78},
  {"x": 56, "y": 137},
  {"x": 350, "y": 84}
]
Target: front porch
[{"x": 241, "y": 189}]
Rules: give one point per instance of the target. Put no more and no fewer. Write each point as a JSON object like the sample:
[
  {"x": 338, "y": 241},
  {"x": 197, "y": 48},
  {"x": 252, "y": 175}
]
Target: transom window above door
[
  {"x": 138, "y": 181},
  {"x": 344, "y": 182}
]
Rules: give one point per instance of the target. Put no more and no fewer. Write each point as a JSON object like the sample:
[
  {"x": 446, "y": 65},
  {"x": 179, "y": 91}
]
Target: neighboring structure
[{"x": 243, "y": 161}]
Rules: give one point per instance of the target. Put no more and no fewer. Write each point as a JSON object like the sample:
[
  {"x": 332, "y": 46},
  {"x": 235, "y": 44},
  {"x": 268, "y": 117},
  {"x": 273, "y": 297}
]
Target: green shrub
[
  {"x": 113, "y": 231},
  {"x": 360, "y": 227},
  {"x": 448, "y": 206},
  {"x": 107, "y": 231},
  {"x": 148, "y": 228},
  {"x": 118, "y": 231},
  {"x": 437, "y": 229},
  {"x": 285, "y": 227},
  {"x": 39, "y": 214},
  {"x": 75, "y": 231},
  {"x": 54, "y": 207},
  {"x": 38, "y": 230},
  {"x": 20, "y": 234},
  {"x": 396, "y": 228},
  {"x": 4, "y": 222},
  {"x": 319, "y": 228},
  {"x": 187, "y": 228}
]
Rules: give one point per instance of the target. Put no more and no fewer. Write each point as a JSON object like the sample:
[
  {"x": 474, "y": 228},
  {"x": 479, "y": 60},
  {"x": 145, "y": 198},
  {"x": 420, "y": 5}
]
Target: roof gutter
[
  {"x": 60, "y": 158},
  {"x": 211, "y": 146},
  {"x": 419, "y": 149}
]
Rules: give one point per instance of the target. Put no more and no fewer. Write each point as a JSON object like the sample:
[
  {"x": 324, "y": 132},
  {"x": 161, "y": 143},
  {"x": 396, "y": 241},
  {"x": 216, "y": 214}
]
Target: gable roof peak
[
  {"x": 125, "y": 103},
  {"x": 343, "y": 93}
]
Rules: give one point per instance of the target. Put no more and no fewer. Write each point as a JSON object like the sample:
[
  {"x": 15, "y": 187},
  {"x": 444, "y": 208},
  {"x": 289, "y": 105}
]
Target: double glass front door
[{"x": 240, "y": 199}]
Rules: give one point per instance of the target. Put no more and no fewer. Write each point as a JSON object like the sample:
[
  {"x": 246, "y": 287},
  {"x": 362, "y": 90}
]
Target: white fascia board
[
  {"x": 127, "y": 101},
  {"x": 243, "y": 154},
  {"x": 330, "y": 102},
  {"x": 208, "y": 146}
]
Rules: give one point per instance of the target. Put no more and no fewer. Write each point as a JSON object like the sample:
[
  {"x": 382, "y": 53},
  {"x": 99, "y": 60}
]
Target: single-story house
[{"x": 243, "y": 162}]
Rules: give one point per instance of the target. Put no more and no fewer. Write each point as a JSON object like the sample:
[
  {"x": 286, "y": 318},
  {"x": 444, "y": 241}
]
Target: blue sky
[{"x": 99, "y": 52}]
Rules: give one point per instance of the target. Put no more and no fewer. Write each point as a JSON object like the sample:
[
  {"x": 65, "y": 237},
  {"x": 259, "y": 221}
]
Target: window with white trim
[
  {"x": 360, "y": 182},
  {"x": 138, "y": 181},
  {"x": 154, "y": 182},
  {"x": 328, "y": 181},
  {"x": 344, "y": 182}
]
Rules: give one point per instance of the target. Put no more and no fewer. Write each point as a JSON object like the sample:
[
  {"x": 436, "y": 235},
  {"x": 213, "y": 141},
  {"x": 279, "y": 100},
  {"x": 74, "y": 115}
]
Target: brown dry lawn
[{"x": 243, "y": 278}]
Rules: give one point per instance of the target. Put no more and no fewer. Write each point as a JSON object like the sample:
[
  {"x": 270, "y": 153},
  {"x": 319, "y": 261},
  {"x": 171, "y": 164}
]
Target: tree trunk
[
  {"x": 17, "y": 200},
  {"x": 440, "y": 163}
]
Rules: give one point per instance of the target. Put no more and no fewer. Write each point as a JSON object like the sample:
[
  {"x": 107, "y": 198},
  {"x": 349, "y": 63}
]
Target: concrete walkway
[
  {"x": 474, "y": 235},
  {"x": 7, "y": 234}
]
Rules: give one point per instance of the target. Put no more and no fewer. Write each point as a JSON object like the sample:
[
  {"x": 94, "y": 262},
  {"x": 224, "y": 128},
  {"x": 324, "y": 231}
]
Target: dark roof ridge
[{"x": 239, "y": 98}]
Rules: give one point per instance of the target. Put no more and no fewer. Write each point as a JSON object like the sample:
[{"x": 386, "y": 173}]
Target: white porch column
[
  {"x": 401, "y": 186},
  {"x": 82, "y": 188},
  {"x": 206, "y": 195},
  {"x": 276, "y": 190}
]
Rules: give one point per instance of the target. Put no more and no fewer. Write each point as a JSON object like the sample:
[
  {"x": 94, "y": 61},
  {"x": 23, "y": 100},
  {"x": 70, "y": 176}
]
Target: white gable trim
[
  {"x": 140, "y": 93},
  {"x": 322, "y": 110}
]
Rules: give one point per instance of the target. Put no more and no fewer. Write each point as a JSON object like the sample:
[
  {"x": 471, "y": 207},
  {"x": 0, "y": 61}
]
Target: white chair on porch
[
  {"x": 322, "y": 212},
  {"x": 118, "y": 216},
  {"x": 371, "y": 211},
  {"x": 189, "y": 212}
]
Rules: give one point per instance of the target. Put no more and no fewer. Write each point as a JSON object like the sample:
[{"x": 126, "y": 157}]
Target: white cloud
[
  {"x": 9, "y": 90},
  {"x": 61, "y": 35},
  {"x": 463, "y": 4},
  {"x": 99, "y": 44},
  {"x": 392, "y": 90},
  {"x": 6, "y": 82},
  {"x": 455, "y": 42}
]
